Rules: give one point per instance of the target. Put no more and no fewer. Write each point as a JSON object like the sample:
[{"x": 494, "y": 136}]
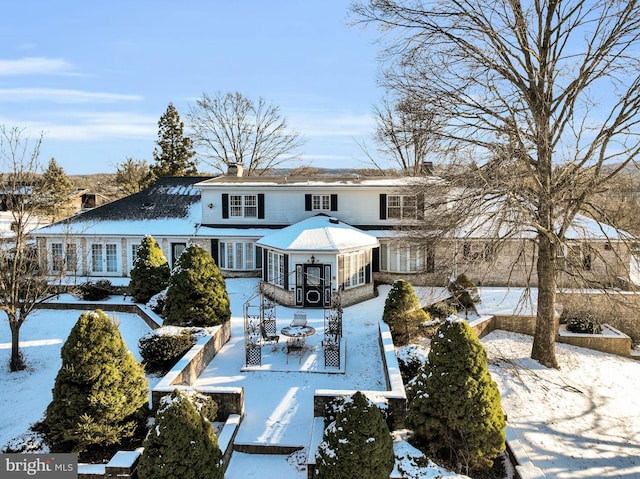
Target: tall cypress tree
[
  {"x": 181, "y": 443},
  {"x": 197, "y": 292},
  {"x": 150, "y": 273},
  {"x": 357, "y": 445},
  {"x": 100, "y": 394},
  {"x": 174, "y": 155},
  {"x": 454, "y": 405}
]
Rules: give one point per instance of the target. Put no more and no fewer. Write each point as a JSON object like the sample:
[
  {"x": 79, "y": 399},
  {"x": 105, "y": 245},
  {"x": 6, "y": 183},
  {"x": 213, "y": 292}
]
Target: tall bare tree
[
  {"x": 544, "y": 94},
  {"x": 404, "y": 136},
  {"x": 233, "y": 129},
  {"x": 22, "y": 282}
]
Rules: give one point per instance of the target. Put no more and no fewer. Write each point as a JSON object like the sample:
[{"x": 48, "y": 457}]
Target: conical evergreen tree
[
  {"x": 150, "y": 273},
  {"x": 181, "y": 444},
  {"x": 100, "y": 395},
  {"x": 402, "y": 312},
  {"x": 197, "y": 294},
  {"x": 357, "y": 445},
  {"x": 174, "y": 155},
  {"x": 55, "y": 190},
  {"x": 454, "y": 405}
]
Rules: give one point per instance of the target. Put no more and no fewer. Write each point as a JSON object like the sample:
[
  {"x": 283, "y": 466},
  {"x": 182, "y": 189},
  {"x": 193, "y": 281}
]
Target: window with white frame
[
  {"x": 321, "y": 202},
  {"x": 354, "y": 269},
  {"x": 237, "y": 255},
  {"x": 71, "y": 257},
  {"x": 275, "y": 268},
  {"x": 104, "y": 258},
  {"x": 64, "y": 257},
  {"x": 396, "y": 258},
  {"x": 243, "y": 206},
  {"x": 401, "y": 206},
  {"x": 57, "y": 251}
]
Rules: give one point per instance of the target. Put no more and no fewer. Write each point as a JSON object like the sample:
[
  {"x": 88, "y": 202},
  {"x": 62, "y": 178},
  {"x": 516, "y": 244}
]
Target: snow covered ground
[{"x": 582, "y": 421}]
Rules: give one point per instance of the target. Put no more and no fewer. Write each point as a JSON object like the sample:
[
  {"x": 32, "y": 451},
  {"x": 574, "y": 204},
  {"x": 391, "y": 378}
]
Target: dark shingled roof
[{"x": 168, "y": 197}]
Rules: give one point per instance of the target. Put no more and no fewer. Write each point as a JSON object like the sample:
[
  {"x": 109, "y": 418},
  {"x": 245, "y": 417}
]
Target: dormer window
[
  {"x": 321, "y": 202},
  {"x": 243, "y": 206}
]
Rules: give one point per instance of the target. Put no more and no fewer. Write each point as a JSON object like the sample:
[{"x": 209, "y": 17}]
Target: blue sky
[{"x": 95, "y": 77}]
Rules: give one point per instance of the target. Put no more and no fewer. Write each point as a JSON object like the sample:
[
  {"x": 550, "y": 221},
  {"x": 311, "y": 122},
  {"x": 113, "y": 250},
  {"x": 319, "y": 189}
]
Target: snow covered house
[{"x": 306, "y": 237}]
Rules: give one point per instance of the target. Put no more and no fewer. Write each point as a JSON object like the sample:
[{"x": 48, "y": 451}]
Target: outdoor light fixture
[{"x": 313, "y": 259}]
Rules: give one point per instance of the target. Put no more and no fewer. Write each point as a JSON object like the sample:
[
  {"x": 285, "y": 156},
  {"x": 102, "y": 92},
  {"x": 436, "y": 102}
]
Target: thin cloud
[
  {"x": 95, "y": 126},
  {"x": 35, "y": 66},
  {"x": 62, "y": 96}
]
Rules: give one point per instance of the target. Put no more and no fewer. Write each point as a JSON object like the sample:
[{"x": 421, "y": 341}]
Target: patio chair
[
  {"x": 299, "y": 320},
  {"x": 268, "y": 338},
  {"x": 295, "y": 345}
]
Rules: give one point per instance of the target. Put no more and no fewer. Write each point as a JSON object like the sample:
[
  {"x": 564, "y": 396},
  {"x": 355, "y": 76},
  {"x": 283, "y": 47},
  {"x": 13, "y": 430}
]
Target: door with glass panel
[{"x": 104, "y": 258}]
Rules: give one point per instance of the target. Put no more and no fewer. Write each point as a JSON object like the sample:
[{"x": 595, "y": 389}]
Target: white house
[{"x": 306, "y": 237}]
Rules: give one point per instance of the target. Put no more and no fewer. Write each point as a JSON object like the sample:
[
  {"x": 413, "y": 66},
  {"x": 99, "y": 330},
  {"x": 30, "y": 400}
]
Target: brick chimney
[{"x": 235, "y": 169}]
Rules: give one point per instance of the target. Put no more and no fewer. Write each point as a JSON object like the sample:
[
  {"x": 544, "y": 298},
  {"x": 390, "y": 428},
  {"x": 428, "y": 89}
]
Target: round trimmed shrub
[
  {"x": 100, "y": 395},
  {"x": 357, "y": 444},
  {"x": 454, "y": 406},
  {"x": 197, "y": 294},
  {"x": 163, "y": 347},
  {"x": 402, "y": 312},
  {"x": 150, "y": 272},
  {"x": 181, "y": 443}
]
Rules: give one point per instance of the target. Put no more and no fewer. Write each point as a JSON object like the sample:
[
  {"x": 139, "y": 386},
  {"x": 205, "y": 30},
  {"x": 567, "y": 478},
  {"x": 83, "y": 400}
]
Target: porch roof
[{"x": 319, "y": 233}]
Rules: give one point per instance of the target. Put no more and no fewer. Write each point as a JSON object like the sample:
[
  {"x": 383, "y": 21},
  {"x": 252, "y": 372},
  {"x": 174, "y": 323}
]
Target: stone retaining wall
[{"x": 394, "y": 398}]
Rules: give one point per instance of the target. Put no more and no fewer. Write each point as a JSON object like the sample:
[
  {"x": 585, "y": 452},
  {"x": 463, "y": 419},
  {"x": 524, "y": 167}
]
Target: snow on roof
[
  {"x": 312, "y": 181},
  {"x": 319, "y": 233}
]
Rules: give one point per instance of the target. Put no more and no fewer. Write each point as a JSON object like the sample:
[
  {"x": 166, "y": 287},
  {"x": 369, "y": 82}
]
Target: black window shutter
[
  {"x": 225, "y": 205},
  {"x": 286, "y": 272},
  {"x": 383, "y": 206},
  {"x": 307, "y": 203},
  {"x": 375, "y": 260},
  {"x": 261, "y": 206},
  {"x": 265, "y": 264},
  {"x": 334, "y": 202},
  {"x": 214, "y": 250}
]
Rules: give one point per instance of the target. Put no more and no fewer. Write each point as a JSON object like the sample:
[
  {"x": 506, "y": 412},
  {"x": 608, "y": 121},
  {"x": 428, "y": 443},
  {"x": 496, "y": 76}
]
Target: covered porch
[{"x": 307, "y": 264}]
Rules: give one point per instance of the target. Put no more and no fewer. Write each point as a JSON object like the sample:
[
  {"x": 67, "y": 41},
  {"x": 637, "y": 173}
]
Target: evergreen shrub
[
  {"x": 357, "y": 444},
  {"x": 160, "y": 349},
  {"x": 581, "y": 321},
  {"x": 100, "y": 396},
  {"x": 150, "y": 272},
  {"x": 96, "y": 291},
  {"x": 441, "y": 310},
  {"x": 180, "y": 444},
  {"x": 411, "y": 359},
  {"x": 464, "y": 291},
  {"x": 454, "y": 406},
  {"x": 402, "y": 312},
  {"x": 197, "y": 294}
]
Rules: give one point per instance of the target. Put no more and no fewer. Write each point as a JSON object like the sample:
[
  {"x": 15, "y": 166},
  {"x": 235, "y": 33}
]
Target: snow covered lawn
[
  {"x": 582, "y": 421},
  {"x": 26, "y": 394}
]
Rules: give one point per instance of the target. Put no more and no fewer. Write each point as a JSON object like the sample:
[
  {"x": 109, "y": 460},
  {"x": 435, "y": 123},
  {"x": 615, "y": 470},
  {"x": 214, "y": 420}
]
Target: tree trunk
[
  {"x": 544, "y": 341},
  {"x": 16, "y": 362}
]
